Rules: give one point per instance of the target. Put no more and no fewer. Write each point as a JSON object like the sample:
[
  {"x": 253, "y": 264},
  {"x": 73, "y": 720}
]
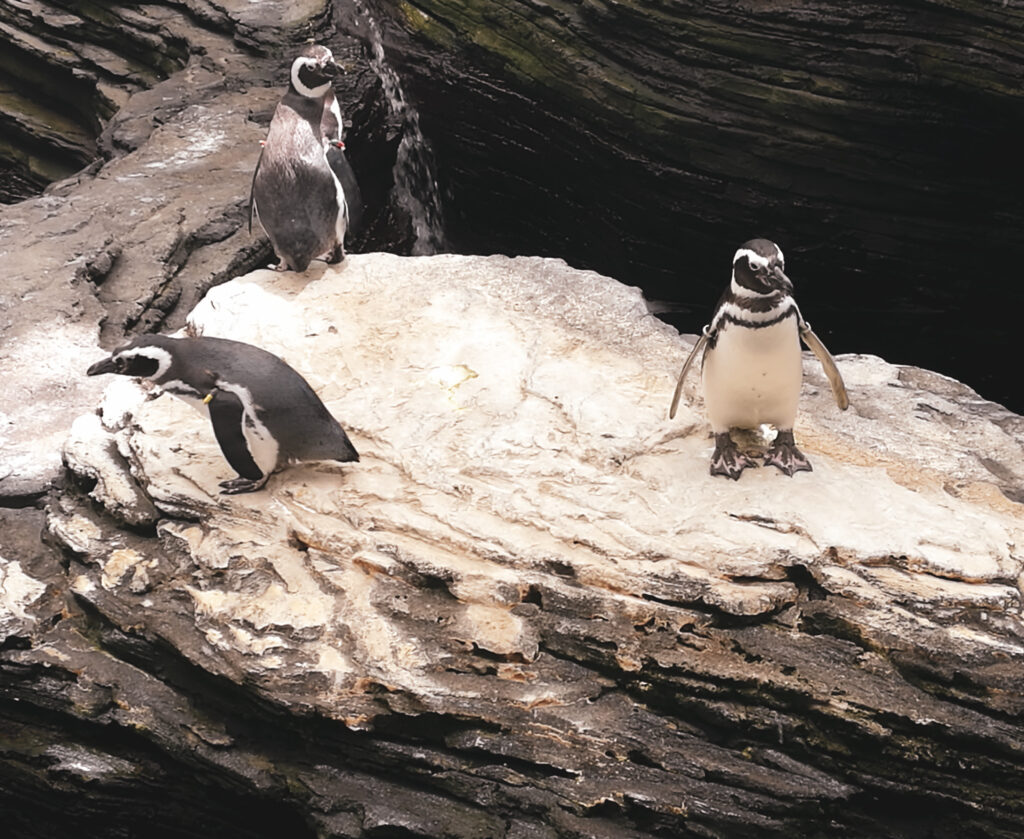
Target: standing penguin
[
  {"x": 751, "y": 361},
  {"x": 296, "y": 194},
  {"x": 264, "y": 414},
  {"x": 331, "y": 127}
]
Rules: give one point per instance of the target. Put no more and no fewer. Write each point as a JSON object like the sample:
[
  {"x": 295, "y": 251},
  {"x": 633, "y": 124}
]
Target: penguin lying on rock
[
  {"x": 751, "y": 363},
  {"x": 264, "y": 414},
  {"x": 296, "y": 191}
]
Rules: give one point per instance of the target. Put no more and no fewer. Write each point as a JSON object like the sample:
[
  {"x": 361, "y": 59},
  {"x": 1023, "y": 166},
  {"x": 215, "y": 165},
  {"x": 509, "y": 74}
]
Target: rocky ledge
[{"x": 528, "y": 611}]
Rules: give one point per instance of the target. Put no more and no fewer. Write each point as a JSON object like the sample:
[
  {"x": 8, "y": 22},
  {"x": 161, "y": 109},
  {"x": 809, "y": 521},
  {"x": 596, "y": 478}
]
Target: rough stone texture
[
  {"x": 878, "y": 143},
  {"x": 68, "y": 67},
  {"x": 132, "y": 242},
  {"x": 528, "y": 611}
]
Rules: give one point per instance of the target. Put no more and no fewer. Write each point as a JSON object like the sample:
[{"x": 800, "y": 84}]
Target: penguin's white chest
[
  {"x": 260, "y": 442},
  {"x": 753, "y": 376},
  {"x": 258, "y": 439}
]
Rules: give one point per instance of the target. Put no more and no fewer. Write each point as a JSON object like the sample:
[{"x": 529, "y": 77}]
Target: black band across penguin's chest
[{"x": 748, "y": 317}]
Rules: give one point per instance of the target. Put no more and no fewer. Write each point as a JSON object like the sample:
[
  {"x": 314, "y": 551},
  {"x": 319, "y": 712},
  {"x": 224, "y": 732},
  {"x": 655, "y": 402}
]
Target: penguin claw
[
  {"x": 236, "y": 486},
  {"x": 786, "y": 456},
  {"x": 727, "y": 460}
]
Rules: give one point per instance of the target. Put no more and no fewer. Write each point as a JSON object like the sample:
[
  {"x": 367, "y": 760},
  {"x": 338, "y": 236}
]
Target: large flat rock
[{"x": 531, "y": 552}]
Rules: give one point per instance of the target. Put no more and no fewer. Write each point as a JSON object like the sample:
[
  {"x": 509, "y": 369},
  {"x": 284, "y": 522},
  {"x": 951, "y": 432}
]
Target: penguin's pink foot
[
  {"x": 236, "y": 486},
  {"x": 727, "y": 460},
  {"x": 786, "y": 456}
]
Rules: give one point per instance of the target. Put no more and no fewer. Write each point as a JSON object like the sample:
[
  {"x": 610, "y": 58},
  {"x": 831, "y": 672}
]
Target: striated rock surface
[{"x": 528, "y": 611}]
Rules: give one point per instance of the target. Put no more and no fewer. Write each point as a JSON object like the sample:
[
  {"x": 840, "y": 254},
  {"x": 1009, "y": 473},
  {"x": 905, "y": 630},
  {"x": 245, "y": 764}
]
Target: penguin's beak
[
  {"x": 331, "y": 69},
  {"x": 100, "y": 367},
  {"x": 781, "y": 281}
]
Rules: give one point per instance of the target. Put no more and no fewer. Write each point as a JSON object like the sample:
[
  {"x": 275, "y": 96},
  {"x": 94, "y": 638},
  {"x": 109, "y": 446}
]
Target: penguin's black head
[
  {"x": 313, "y": 71},
  {"x": 142, "y": 358},
  {"x": 759, "y": 267}
]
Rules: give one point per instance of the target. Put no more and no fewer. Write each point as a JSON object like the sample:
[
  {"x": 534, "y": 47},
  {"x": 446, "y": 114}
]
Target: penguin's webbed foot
[
  {"x": 727, "y": 459},
  {"x": 786, "y": 456},
  {"x": 336, "y": 255},
  {"x": 236, "y": 486}
]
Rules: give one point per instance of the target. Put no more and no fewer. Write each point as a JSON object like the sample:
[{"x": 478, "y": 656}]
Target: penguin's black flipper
[
  {"x": 343, "y": 171},
  {"x": 252, "y": 190},
  {"x": 226, "y": 416},
  {"x": 828, "y": 364},
  {"x": 697, "y": 351}
]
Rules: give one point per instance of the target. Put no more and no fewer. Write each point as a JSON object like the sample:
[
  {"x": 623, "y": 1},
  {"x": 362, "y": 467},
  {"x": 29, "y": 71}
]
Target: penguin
[
  {"x": 295, "y": 193},
  {"x": 331, "y": 127},
  {"x": 264, "y": 414},
  {"x": 751, "y": 362}
]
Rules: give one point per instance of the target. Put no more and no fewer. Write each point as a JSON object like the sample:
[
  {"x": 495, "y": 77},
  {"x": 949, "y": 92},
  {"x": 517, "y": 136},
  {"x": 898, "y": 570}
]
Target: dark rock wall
[
  {"x": 877, "y": 143},
  {"x": 65, "y": 69}
]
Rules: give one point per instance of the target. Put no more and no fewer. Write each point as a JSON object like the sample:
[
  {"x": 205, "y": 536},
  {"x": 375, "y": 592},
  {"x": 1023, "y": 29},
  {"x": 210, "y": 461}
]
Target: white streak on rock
[{"x": 17, "y": 592}]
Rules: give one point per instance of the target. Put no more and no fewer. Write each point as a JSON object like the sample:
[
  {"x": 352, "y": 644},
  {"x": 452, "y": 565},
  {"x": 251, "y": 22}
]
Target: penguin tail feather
[{"x": 348, "y": 453}]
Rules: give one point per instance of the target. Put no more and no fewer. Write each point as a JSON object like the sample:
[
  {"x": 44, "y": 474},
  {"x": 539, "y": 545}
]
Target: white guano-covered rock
[{"x": 511, "y": 417}]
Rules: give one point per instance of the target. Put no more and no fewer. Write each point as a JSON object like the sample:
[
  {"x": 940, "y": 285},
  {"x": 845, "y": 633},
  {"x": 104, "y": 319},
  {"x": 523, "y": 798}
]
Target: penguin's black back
[{"x": 284, "y": 402}]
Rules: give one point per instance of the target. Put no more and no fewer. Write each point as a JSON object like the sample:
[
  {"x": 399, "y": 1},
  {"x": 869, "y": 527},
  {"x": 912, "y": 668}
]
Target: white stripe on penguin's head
[
  {"x": 134, "y": 358},
  {"x": 312, "y": 92}
]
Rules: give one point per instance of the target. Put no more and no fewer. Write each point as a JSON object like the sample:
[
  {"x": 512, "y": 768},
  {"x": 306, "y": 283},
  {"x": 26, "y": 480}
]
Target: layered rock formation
[
  {"x": 876, "y": 142},
  {"x": 528, "y": 610}
]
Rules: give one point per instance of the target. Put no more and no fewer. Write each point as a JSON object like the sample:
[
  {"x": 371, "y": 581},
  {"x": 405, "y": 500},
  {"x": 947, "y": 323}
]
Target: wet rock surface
[{"x": 528, "y": 610}]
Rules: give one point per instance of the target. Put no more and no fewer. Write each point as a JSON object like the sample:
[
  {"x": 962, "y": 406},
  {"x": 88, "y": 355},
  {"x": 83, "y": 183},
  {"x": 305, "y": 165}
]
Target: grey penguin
[
  {"x": 751, "y": 362},
  {"x": 296, "y": 195},
  {"x": 264, "y": 414}
]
